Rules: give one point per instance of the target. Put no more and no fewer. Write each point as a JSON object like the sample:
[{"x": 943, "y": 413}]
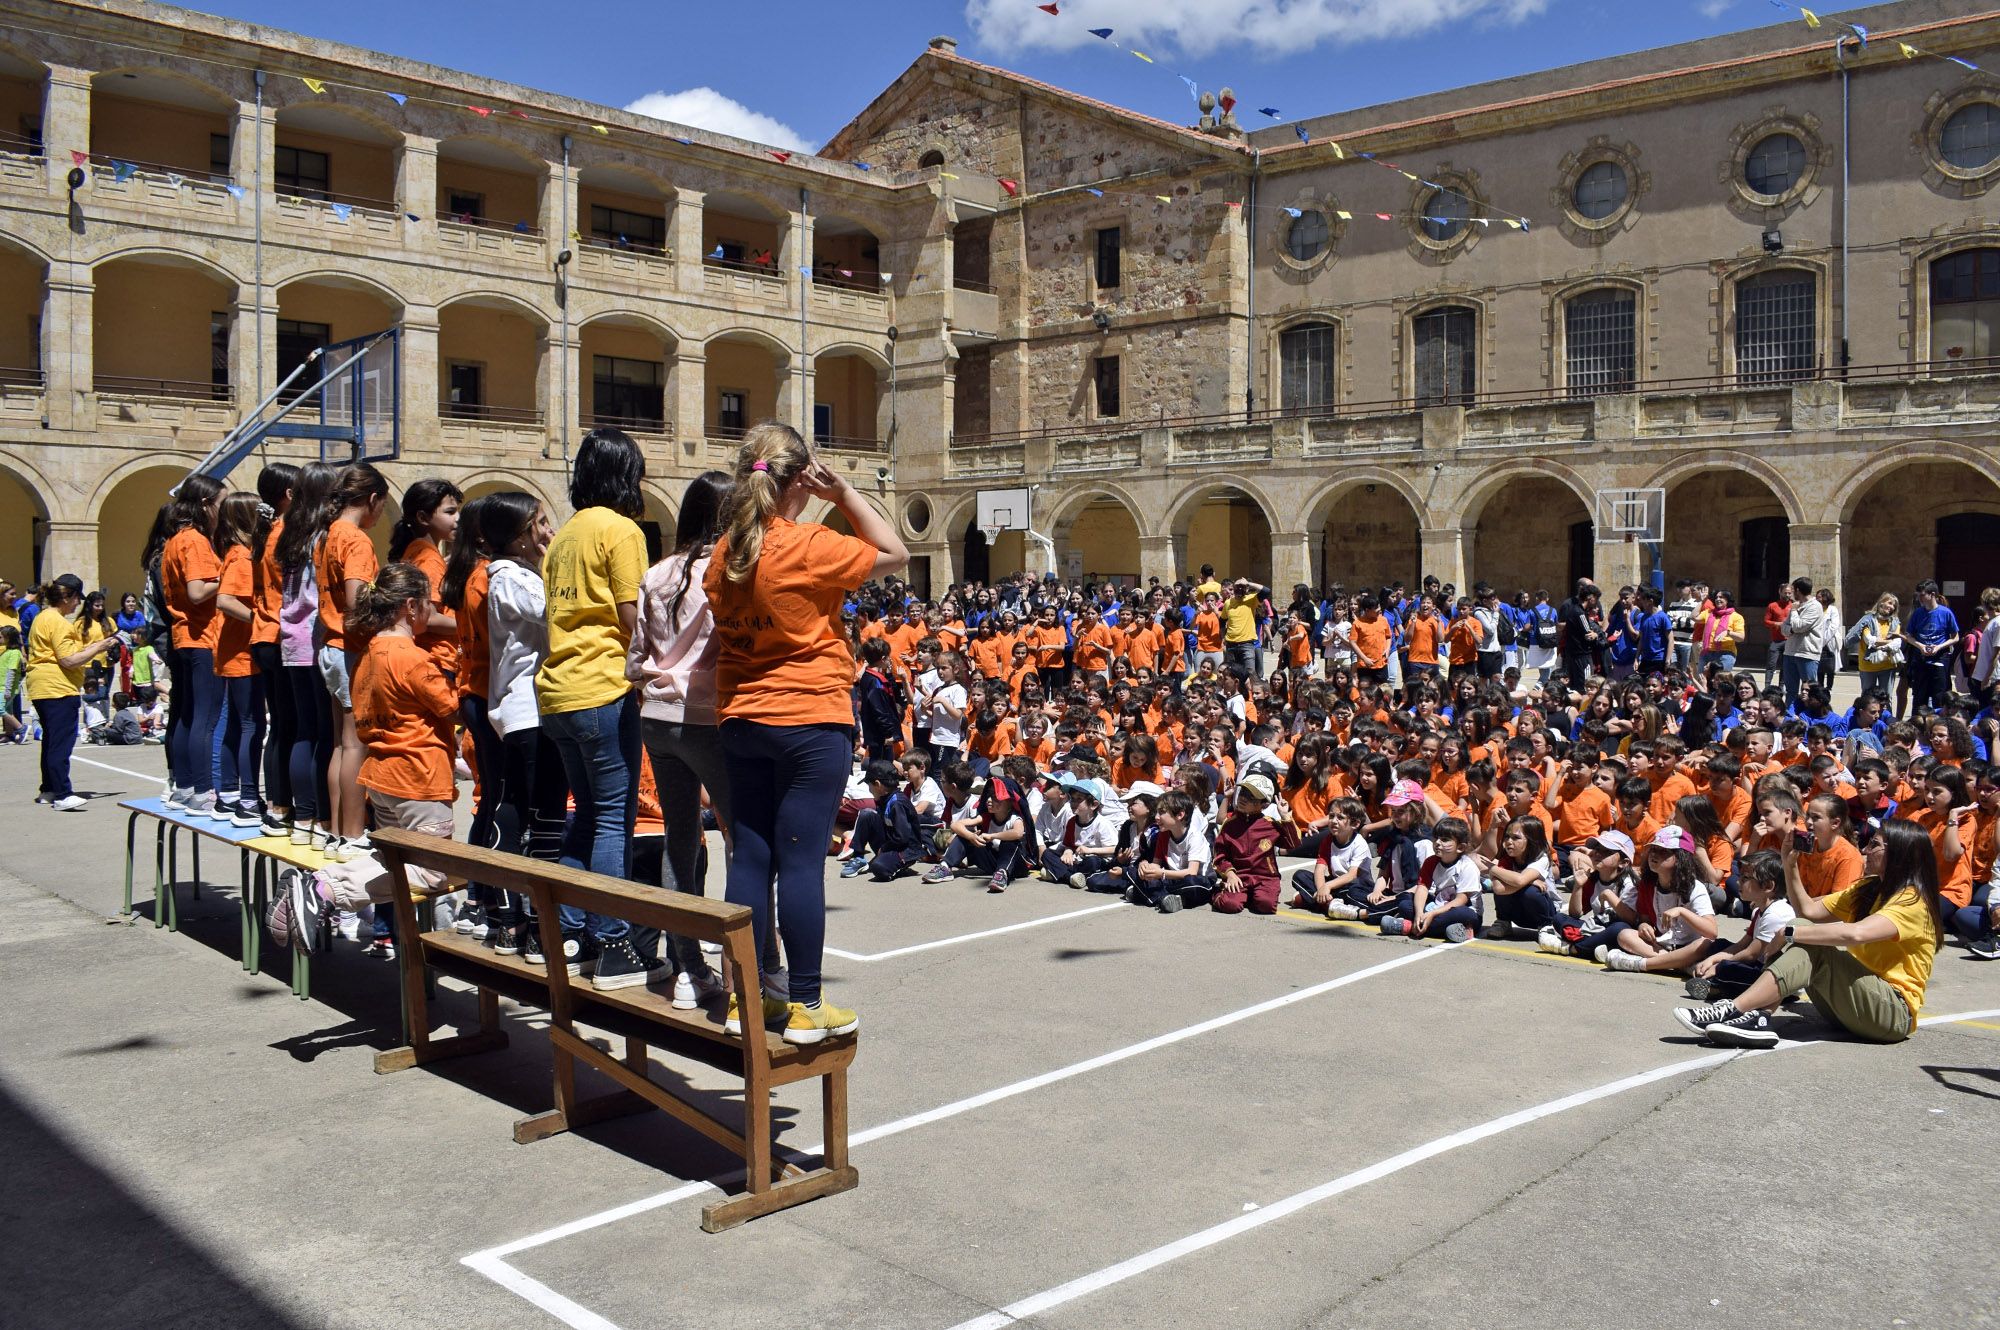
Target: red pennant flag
[
  {"x": 80, "y": 158},
  {"x": 1049, "y": 9},
  {"x": 1228, "y": 105},
  {"x": 1384, "y": 217},
  {"x": 480, "y": 110},
  {"x": 1012, "y": 187},
  {"x": 522, "y": 114},
  {"x": 782, "y": 156}
]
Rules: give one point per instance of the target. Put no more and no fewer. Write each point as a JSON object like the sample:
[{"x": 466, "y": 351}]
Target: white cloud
[
  {"x": 1715, "y": 8},
  {"x": 705, "y": 108},
  {"x": 1198, "y": 27}
]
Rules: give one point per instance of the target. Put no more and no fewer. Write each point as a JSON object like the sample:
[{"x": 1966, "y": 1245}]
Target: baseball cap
[
  {"x": 1406, "y": 792},
  {"x": 1613, "y": 840},
  {"x": 1092, "y": 787},
  {"x": 1672, "y": 838},
  {"x": 1257, "y": 786},
  {"x": 1140, "y": 787}
]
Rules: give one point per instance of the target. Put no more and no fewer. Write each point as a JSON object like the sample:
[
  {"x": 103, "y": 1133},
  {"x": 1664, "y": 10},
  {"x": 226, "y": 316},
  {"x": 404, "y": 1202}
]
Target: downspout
[
  {"x": 562, "y": 399},
  {"x": 257, "y": 243},
  {"x": 1250, "y": 293},
  {"x": 1846, "y": 145},
  {"x": 805, "y": 301}
]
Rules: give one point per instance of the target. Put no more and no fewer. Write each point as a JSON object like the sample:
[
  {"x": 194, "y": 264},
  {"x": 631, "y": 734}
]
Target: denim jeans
[
  {"x": 280, "y": 726},
  {"x": 600, "y": 756},
  {"x": 530, "y": 804},
  {"x": 58, "y": 716},
  {"x": 191, "y": 752},
  {"x": 1799, "y": 671},
  {"x": 785, "y": 783},
  {"x": 241, "y": 737},
  {"x": 1969, "y": 922},
  {"x": 312, "y": 743}
]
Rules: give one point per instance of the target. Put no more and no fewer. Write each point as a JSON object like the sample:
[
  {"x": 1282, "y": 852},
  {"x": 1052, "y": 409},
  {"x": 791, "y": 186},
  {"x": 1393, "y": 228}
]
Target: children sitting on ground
[
  {"x": 1731, "y": 967},
  {"x": 1245, "y": 857},
  {"x": 996, "y": 837},
  {"x": 1133, "y": 840},
  {"x": 125, "y": 727},
  {"x": 1444, "y": 903},
  {"x": 1177, "y": 860},
  {"x": 1668, "y": 921},
  {"x": 1345, "y": 861},
  {"x": 1088, "y": 836},
  {"x": 1523, "y": 881},
  {"x": 887, "y": 840}
]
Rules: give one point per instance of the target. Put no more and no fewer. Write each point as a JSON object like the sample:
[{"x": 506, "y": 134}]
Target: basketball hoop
[
  {"x": 992, "y": 534},
  {"x": 1629, "y": 516}
]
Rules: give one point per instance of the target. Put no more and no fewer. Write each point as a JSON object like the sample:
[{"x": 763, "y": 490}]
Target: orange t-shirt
[
  {"x": 1984, "y": 846},
  {"x": 345, "y": 555},
  {"x": 267, "y": 589},
  {"x": 1666, "y": 794},
  {"x": 474, "y": 652},
  {"x": 986, "y": 659},
  {"x": 1049, "y": 645},
  {"x": 952, "y": 635},
  {"x": 232, "y": 641},
  {"x": 1142, "y": 647},
  {"x": 1308, "y": 804},
  {"x": 1423, "y": 636},
  {"x": 1954, "y": 878},
  {"x": 1207, "y": 631},
  {"x": 1173, "y": 652},
  {"x": 188, "y": 557},
  {"x": 1371, "y": 642},
  {"x": 443, "y": 646},
  {"x": 995, "y": 743},
  {"x": 1298, "y": 646},
  {"x": 1732, "y": 807},
  {"x": 1583, "y": 814},
  {"x": 403, "y": 712},
  {"x": 1836, "y": 870},
  {"x": 782, "y": 657},
  {"x": 1095, "y": 648},
  {"x": 1464, "y": 636}
]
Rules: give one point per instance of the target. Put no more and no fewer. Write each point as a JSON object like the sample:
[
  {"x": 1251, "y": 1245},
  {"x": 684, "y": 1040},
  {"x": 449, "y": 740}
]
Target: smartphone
[{"x": 1802, "y": 842}]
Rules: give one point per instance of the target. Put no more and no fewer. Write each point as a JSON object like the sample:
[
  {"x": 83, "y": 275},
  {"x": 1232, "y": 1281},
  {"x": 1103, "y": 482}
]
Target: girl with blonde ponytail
[{"x": 783, "y": 679}]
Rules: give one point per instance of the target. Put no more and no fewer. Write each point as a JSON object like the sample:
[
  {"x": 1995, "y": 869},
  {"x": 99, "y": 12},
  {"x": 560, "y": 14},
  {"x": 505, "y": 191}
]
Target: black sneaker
[
  {"x": 1698, "y": 1019},
  {"x": 274, "y": 825},
  {"x": 1171, "y": 902},
  {"x": 309, "y": 914},
  {"x": 503, "y": 933},
  {"x": 531, "y": 943},
  {"x": 246, "y": 815},
  {"x": 1984, "y": 948},
  {"x": 1750, "y": 1029},
  {"x": 575, "y": 953},
  {"x": 619, "y": 965}
]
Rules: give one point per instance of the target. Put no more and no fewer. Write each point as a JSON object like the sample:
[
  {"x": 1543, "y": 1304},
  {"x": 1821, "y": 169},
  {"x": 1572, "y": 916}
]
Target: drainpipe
[
  {"x": 805, "y": 302},
  {"x": 1250, "y": 294},
  {"x": 1846, "y": 145},
  {"x": 562, "y": 305},
  {"x": 257, "y": 243}
]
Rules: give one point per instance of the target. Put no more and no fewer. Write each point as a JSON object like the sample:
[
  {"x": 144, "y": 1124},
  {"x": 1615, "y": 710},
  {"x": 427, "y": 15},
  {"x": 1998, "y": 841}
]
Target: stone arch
[
  {"x": 1477, "y": 495},
  {"x": 1538, "y": 536},
  {"x": 753, "y": 336},
  {"x": 1728, "y": 524},
  {"x": 25, "y": 511},
  {"x": 159, "y": 67},
  {"x": 27, "y": 247},
  {"x": 631, "y": 318},
  {"x": 507, "y": 300},
  {"x": 1851, "y": 490},
  {"x": 186, "y": 257},
  {"x": 1237, "y": 541},
  {"x": 490, "y": 481},
  {"x": 1929, "y": 511},
  {"x": 325, "y": 110},
  {"x": 875, "y": 358},
  {"x": 343, "y": 278},
  {"x": 127, "y": 500},
  {"x": 1096, "y": 527},
  {"x": 1690, "y": 464},
  {"x": 1366, "y": 543}
]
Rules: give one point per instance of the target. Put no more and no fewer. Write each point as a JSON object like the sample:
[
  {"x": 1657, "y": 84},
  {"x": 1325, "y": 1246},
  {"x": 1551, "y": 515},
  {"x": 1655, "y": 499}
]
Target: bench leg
[
  {"x": 781, "y": 1196},
  {"x": 243, "y": 911},
  {"x": 419, "y": 1048},
  {"x": 166, "y": 902},
  {"x": 833, "y": 1109},
  {"x": 253, "y": 955},
  {"x": 194, "y": 849}
]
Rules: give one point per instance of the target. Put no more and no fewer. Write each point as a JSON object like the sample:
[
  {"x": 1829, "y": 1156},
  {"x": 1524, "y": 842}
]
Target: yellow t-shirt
[
  {"x": 1905, "y": 959},
  {"x": 52, "y": 636},
  {"x": 10, "y": 617},
  {"x": 594, "y": 563},
  {"x": 1239, "y": 619},
  {"x": 1209, "y": 588}
]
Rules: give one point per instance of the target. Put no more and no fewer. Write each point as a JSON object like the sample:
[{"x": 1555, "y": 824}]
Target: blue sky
[{"x": 794, "y": 71}]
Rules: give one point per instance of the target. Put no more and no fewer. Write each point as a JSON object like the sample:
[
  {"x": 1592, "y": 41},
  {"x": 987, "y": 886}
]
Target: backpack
[
  {"x": 1545, "y": 631},
  {"x": 1504, "y": 627}
]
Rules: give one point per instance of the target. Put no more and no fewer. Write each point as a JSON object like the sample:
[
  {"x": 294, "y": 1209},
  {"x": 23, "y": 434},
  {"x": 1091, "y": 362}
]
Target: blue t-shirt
[
  {"x": 1931, "y": 627},
  {"x": 1654, "y": 630}
]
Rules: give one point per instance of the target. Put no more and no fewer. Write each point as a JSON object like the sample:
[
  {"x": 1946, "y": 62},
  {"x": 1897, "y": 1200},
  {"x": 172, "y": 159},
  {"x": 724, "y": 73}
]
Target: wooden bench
[{"x": 642, "y": 1016}]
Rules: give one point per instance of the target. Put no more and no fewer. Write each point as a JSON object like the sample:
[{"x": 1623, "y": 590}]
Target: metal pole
[
  {"x": 562, "y": 278},
  {"x": 1250, "y": 295},
  {"x": 1846, "y": 145},
  {"x": 805, "y": 299},
  {"x": 257, "y": 212}
]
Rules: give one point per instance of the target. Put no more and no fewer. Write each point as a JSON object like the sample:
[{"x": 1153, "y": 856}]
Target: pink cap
[
  {"x": 1403, "y": 792},
  {"x": 1672, "y": 837}
]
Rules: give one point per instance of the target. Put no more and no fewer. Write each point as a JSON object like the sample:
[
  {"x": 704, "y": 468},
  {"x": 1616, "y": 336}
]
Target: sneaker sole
[
  {"x": 1733, "y": 1038},
  {"x": 632, "y": 980},
  {"x": 1681, "y": 1015},
  {"x": 816, "y": 1035}
]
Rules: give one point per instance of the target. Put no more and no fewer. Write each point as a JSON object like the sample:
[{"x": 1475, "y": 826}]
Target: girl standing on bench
[
  {"x": 784, "y": 676},
  {"x": 344, "y": 565},
  {"x": 190, "y": 575}
]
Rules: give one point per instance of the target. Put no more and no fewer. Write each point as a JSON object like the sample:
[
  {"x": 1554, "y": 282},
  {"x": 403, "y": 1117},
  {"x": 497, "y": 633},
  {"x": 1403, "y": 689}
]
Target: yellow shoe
[
  {"x": 775, "y": 1010},
  {"x": 809, "y": 1025}
]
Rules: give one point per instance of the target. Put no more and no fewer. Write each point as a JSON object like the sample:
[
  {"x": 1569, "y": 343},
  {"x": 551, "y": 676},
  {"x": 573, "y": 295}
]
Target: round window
[
  {"x": 1305, "y": 239},
  {"x": 1971, "y": 138},
  {"x": 1445, "y": 215},
  {"x": 1601, "y": 190},
  {"x": 1775, "y": 165},
  {"x": 918, "y": 514}
]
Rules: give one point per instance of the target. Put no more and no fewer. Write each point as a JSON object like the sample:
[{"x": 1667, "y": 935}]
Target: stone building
[{"x": 1762, "y": 273}]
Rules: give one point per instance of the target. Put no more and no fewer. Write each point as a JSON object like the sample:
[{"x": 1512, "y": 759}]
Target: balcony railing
[
  {"x": 139, "y": 385},
  {"x": 19, "y": 378},
  {"x": 626, "y": 245},
  {"x": 528, "y": 229},
  {"x": 488, "y": 414},
  {"x": 840, "y": 444},
  {"x": 1755, "y": 382},
  {"x": 969, "y": 284},
  {"x": 770, "y": 271},
  {"x": 630, "y": 424},
  {"x": 20, "y": 145},
  {"x": 853, "y": 279}
]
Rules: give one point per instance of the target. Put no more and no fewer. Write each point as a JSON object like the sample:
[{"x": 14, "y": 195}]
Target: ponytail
[
  {"x": 771, "y": 456},
  {"x": 275, "y": 484},
  {"x": 376, "y": 608}
]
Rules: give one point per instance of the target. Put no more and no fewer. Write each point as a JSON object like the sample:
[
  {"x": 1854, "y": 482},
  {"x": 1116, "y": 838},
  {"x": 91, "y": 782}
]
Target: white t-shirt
[
  {"x": 1682, "y": 932},
  {"x": 1099, "y": 835},
  {"x": 1461, "y": 876},
  {"x": 1051, "y": 816},
  {"x": 929, "y": 801},
  {"x": 1187, "y": 852},
  {"x": 946, "y": 731},
  {"x": 517, "y": 637},
  {"x": 1542, "y": 877},
  {"x": 1341, "y": 858},
  {"x": 1770, "y": 921}
]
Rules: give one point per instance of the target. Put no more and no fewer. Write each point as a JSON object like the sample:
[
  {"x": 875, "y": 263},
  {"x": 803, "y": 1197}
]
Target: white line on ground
[
  {"x": 491, "y": 1261},
  {"x": 971, "y": 937},
  {"x": 157, "y": 776},
  {"x": 1134, "y": 1266}
]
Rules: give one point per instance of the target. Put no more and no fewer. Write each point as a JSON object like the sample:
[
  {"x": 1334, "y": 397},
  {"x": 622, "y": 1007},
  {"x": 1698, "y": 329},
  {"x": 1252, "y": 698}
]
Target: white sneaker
[
  {"x": 69, "y": 803},
  {"x": 177, "y": 800},
  {"x": 1339, "y": 909},
  {"x": 1550, "y": 940},
  {"x": 350, "y": 925},
  {"x": 302, "y": 833},
  {"x": 711, "y": 948},
  {"x": 200, "y": 805},
  {"x": 1625, "y": 962},
  {"x": 690, "y": 993},
  {"x": 335, "y": 850}
]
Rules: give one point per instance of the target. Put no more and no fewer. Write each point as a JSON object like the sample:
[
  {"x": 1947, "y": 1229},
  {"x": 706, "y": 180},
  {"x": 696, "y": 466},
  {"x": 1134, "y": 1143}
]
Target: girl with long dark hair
[
  {"x": 463, "y": 596},
  {"x": 311, "y": 748},
  {"x": 190, "y": 576},
  {"x": 429, "y": 523},
  {"x": 344, "y": 565},
  {"x": 275, "y": 486},
  {"x": 240, "y": 737}
]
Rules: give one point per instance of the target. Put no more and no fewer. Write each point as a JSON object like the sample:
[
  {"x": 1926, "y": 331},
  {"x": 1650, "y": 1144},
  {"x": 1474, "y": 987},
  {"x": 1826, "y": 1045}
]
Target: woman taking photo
[
  {"x": 1863, "y": 955},
  {"x": 56, "y": 657},
  {"x": 783, "y": 680},
  {"x": 1718, "y": 634}
]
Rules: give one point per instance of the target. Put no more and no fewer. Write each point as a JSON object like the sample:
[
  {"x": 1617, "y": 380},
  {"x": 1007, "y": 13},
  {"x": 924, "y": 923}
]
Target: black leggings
[
  {"x": 532, "y": 806},
  {"x": 282, "y": 726},
  {"x": 311, "y": 747}
]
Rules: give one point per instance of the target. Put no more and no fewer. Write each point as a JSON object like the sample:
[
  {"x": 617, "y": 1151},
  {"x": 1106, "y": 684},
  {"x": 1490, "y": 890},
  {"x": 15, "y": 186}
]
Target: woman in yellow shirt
[
  {"x": 1863, "y": 955},
  {"x": 57, "y": 654},
  {"x": 1718, "y": 633}
]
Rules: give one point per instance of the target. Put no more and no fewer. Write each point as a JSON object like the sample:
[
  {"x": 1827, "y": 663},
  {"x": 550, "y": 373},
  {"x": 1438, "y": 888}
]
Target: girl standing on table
[
  {"x": 783, "y": 680},
  {"x": 311, "y": 750},
  {"x": 275, "y": 484},
  {"x": 237, "y": 530},
  {"x": 429, "y": 523},
  {"x": 190, "y": 575},
  {"x": 344, "y": 565},
  {"x": 462, "y": 593},
  {"x": 56, "y": 657}
]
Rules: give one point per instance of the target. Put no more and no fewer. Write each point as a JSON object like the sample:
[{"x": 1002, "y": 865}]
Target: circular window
[
  {"x": 918, "y": 514},
  {"x": 1445, "y": 215},
  {"x": 1305, "y": 239},
  {"x": 1775, "y": 165},
  {"x": 1971, "y": 137},
  {"x": 1601, "y": 191}
]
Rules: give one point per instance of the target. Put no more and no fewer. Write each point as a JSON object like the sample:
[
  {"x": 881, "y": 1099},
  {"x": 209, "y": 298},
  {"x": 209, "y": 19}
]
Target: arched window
[
  {"x": 1446, "y": 340},
  {"x": 1306, "y": 374},
  {"x": 1600, "y": 341},
  {"x": 930, "y": 159},
  {"x": 1777, "y": 326},
  {"x": 1965, "y": 305}
]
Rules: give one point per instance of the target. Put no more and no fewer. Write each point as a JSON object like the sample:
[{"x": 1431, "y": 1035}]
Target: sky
[{"x": 792, "y": 72}]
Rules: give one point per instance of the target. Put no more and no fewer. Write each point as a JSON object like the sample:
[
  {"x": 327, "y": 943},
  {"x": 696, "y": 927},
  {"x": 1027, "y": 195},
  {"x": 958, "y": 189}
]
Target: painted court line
[
  {"x": 1134, "y": 1266},
  {"x": 972, "y": 937},
  {"x": 492, "y": 1262},
  {"x": 157, "y": 776}
]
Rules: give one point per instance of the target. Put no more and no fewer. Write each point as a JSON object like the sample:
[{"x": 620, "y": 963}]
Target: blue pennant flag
[
  {"x": 342, "y": 210},
  {"x": 235, "y": 191},
  {"x": 864, "y": 166},
  {"x": 1105, "y": 33},
  {"x": 1194, "y": 90},
  {"x": 413, "y": 217},
  {"x": 122, "y": 170},
  {"x": 398, "y": 98},
  {"x": 1294, "y": 212},
  {"x": 1271, "y": 111},
  {"x": 1303, "y": 136},
  {"x": 1094, "y": 193},
  {"x": 715, "y": 253}
]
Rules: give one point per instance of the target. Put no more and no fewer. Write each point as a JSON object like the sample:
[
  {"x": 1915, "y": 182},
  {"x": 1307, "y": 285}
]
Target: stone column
[
  {"x": 253, "y": 360},
  {"x": 795, "y": 393},
  {"x": 1617, "y": 564},
  {"x": 65, "y": 123},
  {"x": 943, "y": 555},
  {"x": 68, "y": 396},
  {"x": 562, "y": 411},
  {"x": 1291, "y": 563},
  {"x": 684, "y": 237},
  {"x": 1444, "y": 554},
  {"x": 417, "y": 182},
  {"x": 690, "y": 398},
  {"x": 248, "y": 167},
  {"x": 795, "y": 251},
  {"x": 1159, "y": 556},
  {"x": 71, "y": 547},
  {"x": 1816, "y": 553},
  {"x": 423, "y": 381}
]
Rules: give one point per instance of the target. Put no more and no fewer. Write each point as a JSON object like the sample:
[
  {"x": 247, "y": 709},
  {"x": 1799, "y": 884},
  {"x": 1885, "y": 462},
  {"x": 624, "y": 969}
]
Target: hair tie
[
  {"x": 266, "y": 511},
  {"x": 760, "y": 465}
]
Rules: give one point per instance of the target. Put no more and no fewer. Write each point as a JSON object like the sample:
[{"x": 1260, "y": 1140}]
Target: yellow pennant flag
[
  {"x": 600, "y": 129},
  {"x": 1510, "y": 223},
  {"x": 1337, "y": 152},
  {"x": 1812, "y": 19},
  {"x": 946, "y": 175},
  {"x": 1163, "y": 198},
  {"x": 1343, "y": 214},
  {"x": 314, "y": 84},
  {"x": 1143, "y": 56},
  {"x": 1909, "y": 52}
]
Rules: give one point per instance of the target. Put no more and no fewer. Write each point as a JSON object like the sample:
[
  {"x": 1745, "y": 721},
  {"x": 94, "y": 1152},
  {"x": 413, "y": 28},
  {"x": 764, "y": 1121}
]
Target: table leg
[
  {"x": 131, "y": 831},
  {"x": 160, "y": 876},
  {"x": 194, "y": 849},
  {"x": 243, "y": 908}
]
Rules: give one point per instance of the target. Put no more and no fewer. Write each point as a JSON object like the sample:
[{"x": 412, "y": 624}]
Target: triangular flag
[
  {"x": 1510, "y": 223},
  {"x": 805, "y": 270},
  {"x": 519, "y": 114},
  {"x": 886, "y": 277},
  {"x": 397, "y": 97},
  {"x": 176, "y": 180},
  {"x": 845, "y": 272},
  {"x": 715, "y": 253},
  {"x": 578, "y": 235},
  {"x": 1860, "y": 32},
  {"x": 781, "y": 156},
  {"x": 1368, "y": 156},
  {"x": 1384, "y": 217},
  {"x": 1303, "y": 136},
  {"x": 1013, "y": 188},
  {"x": 1271, "y": 111},
  {"x": 1143, "y": 56},
  {"x": 864, "y": 166},
  {"x": 1105, "y": 33},
  {"x": 314, "y": 84},
  {"x": 685, "y": 143},
  {"x": 1163, "y": 198},
  {"x": 1909, "y": 51},
  {"x": 1048, "y": 9},
  {"x": 1094, "y": 193},
  {"x": 342, "y": 210},
  {"x": 599, "y": 129},
  {"x": 235, "y": 191},
  {"x": 1812, "y": 19},
  {"x": 1194, "y": 89},
  {"x": 1338, "y": 151},
  {"x": 122, "y": 170},
  {"x": 1524, "y": 226},
  {"x": 1294, "y": 212},
  {"x": 1343, "y": 215},
  {"x": 1966, "y": 64},
  {"x": 79, "y": 158},
  {"x": 413, "y": 217},
  {"x": 946, "y": 175},
  {"x": 1228, "y": 104},
  {"x": 480, "y": 110}
]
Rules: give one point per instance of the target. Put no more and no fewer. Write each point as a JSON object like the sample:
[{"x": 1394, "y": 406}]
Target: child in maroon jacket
[{"x": 1246, "y": 852}]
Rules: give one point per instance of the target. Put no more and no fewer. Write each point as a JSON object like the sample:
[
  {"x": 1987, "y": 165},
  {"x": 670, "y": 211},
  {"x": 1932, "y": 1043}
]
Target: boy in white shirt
[
  {"x": 1087, "y": 841},
  {"x": 1445, "y": 902},
  {"x": 1176, "y": 860},
  {"x": 923, "y": 791},
  {"x": 1344, "y": 872},
  {"x": 1729, "y": 968}
]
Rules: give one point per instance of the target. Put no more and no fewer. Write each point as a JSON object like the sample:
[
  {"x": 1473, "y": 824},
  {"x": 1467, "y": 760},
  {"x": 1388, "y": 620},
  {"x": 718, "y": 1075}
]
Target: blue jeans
[
  {"x": 600, "y": 756},
  {"x": 312, "y": 743},
  {"x": 1969, "y": 922},
  {"x": 785, "y": 783},
  {"x": 1798, "y": 672},
  {"x": 190, "y": 754},
  {"x": 241, "y": 737},
  {"x": 58, "y": 716},
  {"x": 1528, "y": 908}
]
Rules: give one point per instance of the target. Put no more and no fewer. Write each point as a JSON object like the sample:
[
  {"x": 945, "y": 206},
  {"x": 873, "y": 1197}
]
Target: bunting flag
[
  {"x": 413, "y": 217},
  {"x": 1384, "y": 217},
  {"x": 1812, "y": 19},
  {"x": 1013, "y": 187},
  {"x": 1294, "y": 212},
  {"x": 397, "y": 97},
  {"x": 946, "y": 175},
  {"x": 599, "y": 129},
  {"x": 1094, "y": 193},
  {"x": 343, "y": 211},
  {"x": 1861, "y": 34},
  {"x": 1163, "y": 198},
  {"x": 1271, "y": 111},
  {"x": 176, "y": 180},
  {"x": 1105, "y": 33},
  {"x": 780, "y": 154},
  {"x": 1303, "y": 136},
  {"x": 235, "y": 191},
  {"x": 1048, "y": 9},
  {"x": 886, "y": 277},
  {"x": 844, "y": 272},
  {"x": 316, "y": 87},
  {"x": 122, "y": 170},
  {"x": 1343, "y": 214},
  {"x": 862, "y": 166},
  {"x": 481, "y": 111},
  {"x": 715, "y": 253},
  {"x": 1227, "y": 103},
  {"x": 1143, "y": 56},
  {"x": 79, "y": 158},
  {"x": 1194, "y": 89}
]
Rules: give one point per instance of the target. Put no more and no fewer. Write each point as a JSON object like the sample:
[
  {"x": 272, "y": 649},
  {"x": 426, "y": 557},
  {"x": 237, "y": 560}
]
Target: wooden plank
[{"x": 723, "y": 1215}]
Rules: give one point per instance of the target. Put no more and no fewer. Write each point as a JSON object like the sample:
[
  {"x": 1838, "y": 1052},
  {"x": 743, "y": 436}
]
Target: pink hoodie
[{"x": 673, "y": 659}]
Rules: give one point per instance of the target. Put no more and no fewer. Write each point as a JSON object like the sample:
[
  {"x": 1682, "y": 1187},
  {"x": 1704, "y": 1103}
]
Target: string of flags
[{"x": 1861, "y": 34}]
